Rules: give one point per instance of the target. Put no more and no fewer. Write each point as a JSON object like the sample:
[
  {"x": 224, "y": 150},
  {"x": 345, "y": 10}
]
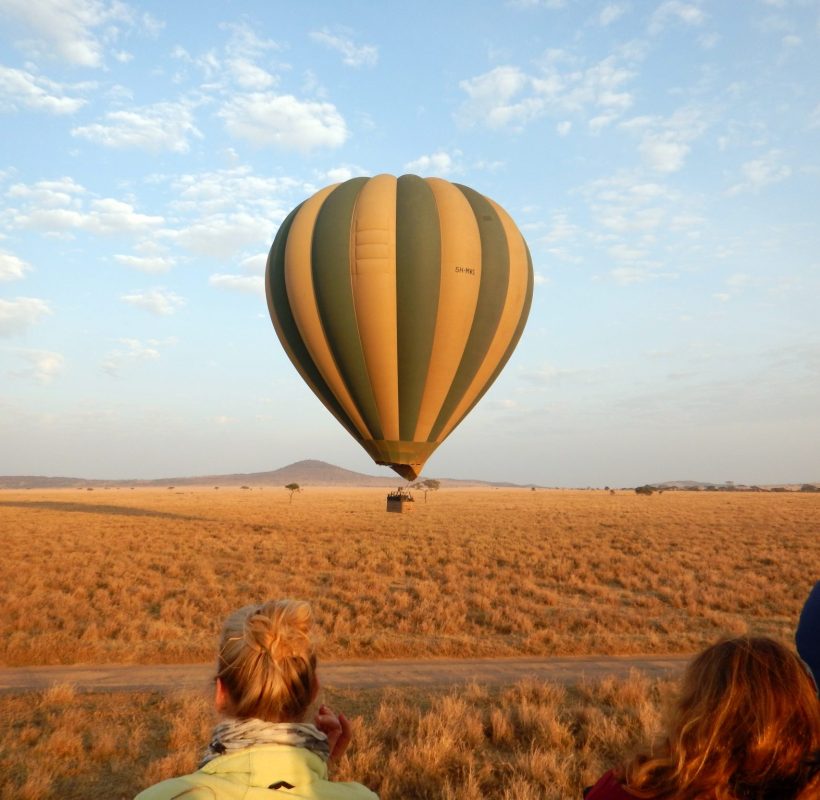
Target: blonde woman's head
[{"x": 267, "y": 661}]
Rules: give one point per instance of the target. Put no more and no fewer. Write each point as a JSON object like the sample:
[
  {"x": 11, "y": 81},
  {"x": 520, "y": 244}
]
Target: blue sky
[{"x": 661, "y": 158}]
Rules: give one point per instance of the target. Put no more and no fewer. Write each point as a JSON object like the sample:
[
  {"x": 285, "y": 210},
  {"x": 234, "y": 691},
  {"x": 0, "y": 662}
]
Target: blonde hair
[
  {"x": 746, "y": 725},
  {"x": 267, "y": 661}
]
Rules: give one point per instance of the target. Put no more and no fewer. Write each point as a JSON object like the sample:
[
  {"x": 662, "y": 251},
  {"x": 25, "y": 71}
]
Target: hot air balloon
[{"x": 399, "y": 301}]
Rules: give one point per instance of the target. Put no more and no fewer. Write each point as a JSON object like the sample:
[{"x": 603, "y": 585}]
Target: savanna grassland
[
  {"x": 527, "y": 741},
  {"x": 139, "y": 576}
]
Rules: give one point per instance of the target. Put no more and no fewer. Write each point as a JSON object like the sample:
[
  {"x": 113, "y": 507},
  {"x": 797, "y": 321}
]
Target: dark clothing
[
  {"x": 807, "y": 637},
  {"x": 608, "y": 788}
]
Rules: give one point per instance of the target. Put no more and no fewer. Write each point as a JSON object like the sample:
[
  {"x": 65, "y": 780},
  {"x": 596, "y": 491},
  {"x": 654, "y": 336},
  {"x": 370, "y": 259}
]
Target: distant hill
[{"x": 306, "y": 473}]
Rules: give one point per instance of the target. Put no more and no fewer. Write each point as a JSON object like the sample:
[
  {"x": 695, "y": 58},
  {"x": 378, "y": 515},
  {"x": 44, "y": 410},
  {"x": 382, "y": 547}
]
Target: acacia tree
[
  {"x": 292, "y": 488},
  {"x": 427, "y": 485}
]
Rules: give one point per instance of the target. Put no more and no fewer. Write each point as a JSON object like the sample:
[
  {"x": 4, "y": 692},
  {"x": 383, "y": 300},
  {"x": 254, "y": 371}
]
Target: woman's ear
[{"x": 222, "y": 700}]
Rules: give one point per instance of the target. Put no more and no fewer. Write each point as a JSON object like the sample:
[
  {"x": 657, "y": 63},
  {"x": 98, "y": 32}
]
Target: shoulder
[
  {"x": 608, "y": 787},
  {"x": 808, "y": 632},
  {"x": 184, "y": 788},
  {"x": 331, "y": 790}
]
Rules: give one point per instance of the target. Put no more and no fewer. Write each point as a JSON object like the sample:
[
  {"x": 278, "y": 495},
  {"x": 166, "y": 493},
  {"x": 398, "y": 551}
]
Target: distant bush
[
  {"x": 644, "y": 489},
  {"x": 809, "y": 487}
]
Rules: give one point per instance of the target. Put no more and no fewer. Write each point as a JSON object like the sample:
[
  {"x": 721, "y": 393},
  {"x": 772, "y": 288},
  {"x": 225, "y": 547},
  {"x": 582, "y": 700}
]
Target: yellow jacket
[{"x": 253, "y": 773}]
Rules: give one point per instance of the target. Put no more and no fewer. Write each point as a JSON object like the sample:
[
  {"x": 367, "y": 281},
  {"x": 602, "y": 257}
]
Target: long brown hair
[{"x": 746, "y": 726}]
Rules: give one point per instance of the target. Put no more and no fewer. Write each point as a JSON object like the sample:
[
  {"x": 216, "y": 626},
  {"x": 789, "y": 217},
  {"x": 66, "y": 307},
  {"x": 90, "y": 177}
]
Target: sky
[{"x": 661, "y": 158}]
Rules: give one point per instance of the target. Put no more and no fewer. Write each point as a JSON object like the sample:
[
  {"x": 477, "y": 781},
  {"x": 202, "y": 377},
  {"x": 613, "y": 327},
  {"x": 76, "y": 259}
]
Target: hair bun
[{"x": 281, "y": 628}]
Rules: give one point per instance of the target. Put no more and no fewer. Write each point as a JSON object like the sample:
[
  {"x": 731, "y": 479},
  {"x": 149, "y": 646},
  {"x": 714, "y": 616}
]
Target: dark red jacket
[{"x": 608, "y": 788}]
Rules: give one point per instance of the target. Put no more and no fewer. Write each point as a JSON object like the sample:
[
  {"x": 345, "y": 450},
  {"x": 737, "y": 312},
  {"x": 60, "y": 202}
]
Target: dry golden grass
[
  {"x": 531, "y": 740},
  {"x": 147, "y": 575}
]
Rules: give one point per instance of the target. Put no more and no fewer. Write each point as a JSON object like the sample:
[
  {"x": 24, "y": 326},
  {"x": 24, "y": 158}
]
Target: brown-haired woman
[
  {"x": 746, "y": 726},
  {"x": 266, "y": 691}
]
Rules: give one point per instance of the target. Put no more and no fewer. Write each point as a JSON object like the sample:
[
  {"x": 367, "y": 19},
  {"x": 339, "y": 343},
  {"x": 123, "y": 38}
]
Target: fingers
[
  {"x": 337, "y": 728},
  {"x": 345, "y": 736}
]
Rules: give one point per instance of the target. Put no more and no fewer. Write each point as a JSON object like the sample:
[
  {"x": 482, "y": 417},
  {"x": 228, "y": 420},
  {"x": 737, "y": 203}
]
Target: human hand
[{"x": 337, "y": 729}]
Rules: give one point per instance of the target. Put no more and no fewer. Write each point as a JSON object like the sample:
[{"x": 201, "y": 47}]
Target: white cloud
[
  {"x": 227, "y": 213},
  {"x": 75, "y": 31},
  {"x": 561, "y": 230},
  {"x": 761, "y": 172},
  {"x": 163, "y": 126},
  {"x": 491, "y": 97},
  {"x": 21, "y": 313},
  {"x": 222, "y": 236},
  {"x": 627, "y": 252},
  {"x": 235, "y": 189},
  {"x": 628, "y": 276},
  {"x": 676, "y": 12},
  {"x": 254, "y": 264},
  {"x": 249, "y": 76},
  {"x": 610, "y": 13},
  {"x": 439, "y": 163},
  {"x": 563, "y": 128},
  {"x": 132, "y": 351},
  {"x": 666, "y": 141},
  {"x": 663, "y": 152},
  {"x": 270, "y": 120},
  {"x": 41, "y": 365},
  {"x": 244, "y": 43},
  {"x": 12, "y": 268},
  {"x": 58, "y": 207},
  {"x": 19, "y": 88},
  {"x": 158, "y": 301},
  {"x": 342, "y": 173},
  {"x": 252, "y": 284},
  {"x": 353, "y": 55},
  {"x": 151, "y": 264},
  {"x": 508, "y": 97}
]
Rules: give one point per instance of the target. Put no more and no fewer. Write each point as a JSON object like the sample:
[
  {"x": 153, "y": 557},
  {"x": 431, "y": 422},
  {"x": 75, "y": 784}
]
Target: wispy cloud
[
  {"x": 611, "y": 12},
  {"x": 22, "y": 89},
  {"x": 509, "y": 97},
  {"x": 675, "y": 12},
  {"x": 74, "y": 31},
  {"x": 665, "y": 142},
  {"x": 40, "y": 365},
  {"x": 250, "y": 284},
  {"x": 19, "y": 314},
  {"x": 60, "y": 207},
  {"x": 12, "y": 268},
  {"x": 133, "y": 351},
  {"x": 353, "y": 55},
  {"x": 162, "y": 126},
  {"x": 152, "y": 264},
  {"x": 158, "y": 301},
  {"x": 761, "y": 172},
  {"x": 439, "y": 163},
  {"x": 282, "y": 121}
]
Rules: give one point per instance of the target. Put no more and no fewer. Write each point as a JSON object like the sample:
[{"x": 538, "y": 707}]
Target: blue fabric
[{"x": 807, "y": 637}]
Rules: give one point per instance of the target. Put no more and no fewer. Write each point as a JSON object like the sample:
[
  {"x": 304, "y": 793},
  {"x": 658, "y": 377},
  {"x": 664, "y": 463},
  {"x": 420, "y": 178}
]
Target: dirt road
[{"x": 360, "y": 674}]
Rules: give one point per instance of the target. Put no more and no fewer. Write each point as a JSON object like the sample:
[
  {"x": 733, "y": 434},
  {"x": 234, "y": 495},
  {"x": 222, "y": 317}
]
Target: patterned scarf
[{"x": 231, "y": 735}]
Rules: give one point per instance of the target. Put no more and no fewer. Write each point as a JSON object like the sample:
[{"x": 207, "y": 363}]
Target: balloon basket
[{"x": 400, "y": 502}]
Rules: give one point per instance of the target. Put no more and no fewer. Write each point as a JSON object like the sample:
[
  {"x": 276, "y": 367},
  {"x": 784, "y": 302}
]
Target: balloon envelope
[{"x": 399, "y": 301}]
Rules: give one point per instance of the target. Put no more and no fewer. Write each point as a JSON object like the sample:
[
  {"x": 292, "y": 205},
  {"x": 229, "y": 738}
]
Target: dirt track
[{"x": 359, "y": 674}]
